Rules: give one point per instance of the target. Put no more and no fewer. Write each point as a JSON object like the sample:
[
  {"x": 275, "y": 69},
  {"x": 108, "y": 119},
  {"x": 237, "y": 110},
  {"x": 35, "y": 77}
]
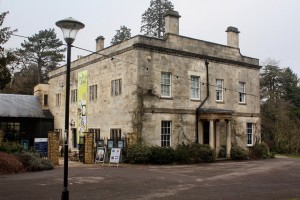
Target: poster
[
  {"x": 115, "y": 156},
  {"x": 82, "y": 103},
  {"x": 41, "y": 146},
  {"x": 100, "y": 155}
]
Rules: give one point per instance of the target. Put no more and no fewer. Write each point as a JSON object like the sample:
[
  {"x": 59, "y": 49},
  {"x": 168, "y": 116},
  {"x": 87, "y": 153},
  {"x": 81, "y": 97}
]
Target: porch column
[
  {"x": 200, "y": 131},
  {"x": 228, "y": 138},
  {"x": 211, "y": 133},
  {"x": 217, "y": 137}
]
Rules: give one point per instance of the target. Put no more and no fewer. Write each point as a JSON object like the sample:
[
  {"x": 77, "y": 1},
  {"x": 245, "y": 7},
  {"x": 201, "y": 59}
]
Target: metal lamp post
[{"x": 69, "y": 27}]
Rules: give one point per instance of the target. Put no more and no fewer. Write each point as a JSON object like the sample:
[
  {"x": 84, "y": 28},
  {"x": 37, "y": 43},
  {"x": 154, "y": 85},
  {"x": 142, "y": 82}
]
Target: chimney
[
  {"x": 172, "y": 22},
  {"x": 232, "y": 37},
  {"x": 100, "y": 43}
]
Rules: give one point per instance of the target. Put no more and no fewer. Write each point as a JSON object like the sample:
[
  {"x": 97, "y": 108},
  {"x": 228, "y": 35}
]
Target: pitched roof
[{"x": 13, "y": 105}]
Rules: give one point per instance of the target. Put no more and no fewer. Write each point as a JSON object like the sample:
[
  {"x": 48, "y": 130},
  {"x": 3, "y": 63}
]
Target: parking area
[{"x": 264, "y": 179}]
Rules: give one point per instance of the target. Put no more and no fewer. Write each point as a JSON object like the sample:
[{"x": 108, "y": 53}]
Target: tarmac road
[{"x": 265, "y": 179}]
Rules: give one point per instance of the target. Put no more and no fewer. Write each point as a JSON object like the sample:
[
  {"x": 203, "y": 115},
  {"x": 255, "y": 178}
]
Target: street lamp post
[{"x": 69, "y": 27}]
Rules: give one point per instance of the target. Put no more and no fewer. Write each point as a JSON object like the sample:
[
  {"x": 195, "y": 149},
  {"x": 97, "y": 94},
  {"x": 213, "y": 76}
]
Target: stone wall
[
  {"x": 89, "y": 148},
  {"x": 53, "y": 147}
]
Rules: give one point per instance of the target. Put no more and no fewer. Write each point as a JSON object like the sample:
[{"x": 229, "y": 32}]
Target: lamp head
[{"x": 69, "y": 27}]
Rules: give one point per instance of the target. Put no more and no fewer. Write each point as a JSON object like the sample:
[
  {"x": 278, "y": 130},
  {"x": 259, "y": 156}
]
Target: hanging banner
[{"x": 82, "y": 103}]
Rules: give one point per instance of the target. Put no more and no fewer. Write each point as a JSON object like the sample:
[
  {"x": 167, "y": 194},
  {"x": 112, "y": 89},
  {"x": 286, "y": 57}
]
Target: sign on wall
[
  {"x": 41, "y": 146},
  {"x": 82, "y": 103}
]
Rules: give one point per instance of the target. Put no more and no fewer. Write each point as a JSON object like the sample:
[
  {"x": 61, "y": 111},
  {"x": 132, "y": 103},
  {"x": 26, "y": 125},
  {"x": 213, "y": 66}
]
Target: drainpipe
[{"x": 198, "y": 108}]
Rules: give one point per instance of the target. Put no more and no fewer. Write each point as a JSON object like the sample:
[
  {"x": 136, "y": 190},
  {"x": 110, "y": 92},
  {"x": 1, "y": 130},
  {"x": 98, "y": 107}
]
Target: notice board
[{"x": 115, "y": 156}]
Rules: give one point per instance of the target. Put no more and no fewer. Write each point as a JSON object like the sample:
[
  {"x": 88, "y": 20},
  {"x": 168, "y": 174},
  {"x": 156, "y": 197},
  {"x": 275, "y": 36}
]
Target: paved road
[{"x": 268, "y": 179}]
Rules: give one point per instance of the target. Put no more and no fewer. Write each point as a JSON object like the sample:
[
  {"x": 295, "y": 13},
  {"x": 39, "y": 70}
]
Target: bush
[
  {"x": 238, "y": 153},
  {"x": 33, "y": 162},
  {"x": 182, "y": 154},
  {"x": 161, "y": 155},
  {"x": 260, "y": 151},
  {"x": 10, "y": 164},
  {"x": 138, "y": 154},
  {"x": 202, "y": 153},
  {"x": 194, "y": 153},
  {"x": 11, "y": 147}
]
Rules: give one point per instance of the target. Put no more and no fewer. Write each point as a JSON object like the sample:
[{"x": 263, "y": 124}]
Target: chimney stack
[
  {"x": 100, "y": 43},
  {"x": 172, "y": 22},
  {"x": 232, "y": 37}
]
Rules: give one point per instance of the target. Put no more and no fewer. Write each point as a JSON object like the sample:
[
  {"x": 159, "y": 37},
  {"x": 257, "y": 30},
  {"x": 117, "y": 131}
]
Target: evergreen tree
[
  {"x": 153, "y": 20},
  {"x": 41, "y": 52},
  {"x": 122, "y": 34},
  {"x": 6, "y": 57}
]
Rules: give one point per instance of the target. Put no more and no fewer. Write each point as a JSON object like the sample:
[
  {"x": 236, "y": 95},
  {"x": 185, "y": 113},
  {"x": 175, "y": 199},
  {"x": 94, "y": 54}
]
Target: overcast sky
[{"x": 269, "y": 28}]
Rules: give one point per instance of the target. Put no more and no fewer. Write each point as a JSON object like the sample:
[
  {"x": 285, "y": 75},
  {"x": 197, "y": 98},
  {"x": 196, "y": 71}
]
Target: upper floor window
[
  {"x": 195, "y": 87},
  {"x": 57, "y": 99},
  {"x": 116, "y": 87},
  {"x": 219, "y": 90},
  {"x": 166, "y": 133},
  {"x": 45, "y": 99},
  {"x": 74, "y": 96},
  {"x": 242, "y": 92},
  {"x": 92, "y": 92},
  {"x": 166, "y": 84},
  {"x": 249, "y": 134}
]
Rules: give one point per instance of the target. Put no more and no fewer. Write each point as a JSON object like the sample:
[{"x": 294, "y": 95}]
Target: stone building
[{"x": 165, "y": 91}]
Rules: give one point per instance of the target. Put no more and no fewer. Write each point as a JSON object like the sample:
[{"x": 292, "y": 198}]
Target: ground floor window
[
  {"x": 96, "y": 132},
  {"x": 11, "y": 130},
  {"x": 115, "y": 135},
  {"x": 74, "y": 137},
  {"x": 166, "y": 133},
  {"x": 249, "y": 134}
]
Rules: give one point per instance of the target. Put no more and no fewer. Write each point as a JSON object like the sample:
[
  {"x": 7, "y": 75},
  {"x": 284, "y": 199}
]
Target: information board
[
  {"x": 41, "y": 146},
  {"x": 115, "y": 156},
  {"x": 100, "y": 155}
]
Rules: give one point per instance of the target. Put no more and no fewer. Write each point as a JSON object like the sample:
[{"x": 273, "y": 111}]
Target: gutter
[{"x": 198, "y": 108}]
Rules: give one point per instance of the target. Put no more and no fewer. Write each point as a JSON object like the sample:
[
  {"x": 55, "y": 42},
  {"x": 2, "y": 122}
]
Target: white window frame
[
  {"x": 57, "y": 99},
  {"x": 74, "y": 94},
  {"x": 92, "y": 92},
  {"x": 116, "y": 87},
  {"x": 195, "y": 87},
  {"x": 166, "y": 80},
  {"x": 242, "y": 92},
  {"x": 250, "y": 131},
  {"x": 166, "y": 132},
  {"x": 219, "y": 90}
]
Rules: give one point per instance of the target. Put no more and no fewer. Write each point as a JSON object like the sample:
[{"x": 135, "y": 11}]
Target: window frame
[
  {"x": 249, "y": 131},
  {"x": 219, "y": 90},
  {"x": 93, "y": 92},
  {"x": 74, "y": 95},
  {"x": 115, "y": 135},
  {"x": 164, "y": 84},
  {"x": 116, "y": 87},
  {"x": 242, "y": 92},
  {"x": 166, "y": 132},
  {"x": 97, "y": 133},
  {"x": 57, "y": 99},
  {"x": 195, "y": 90}
]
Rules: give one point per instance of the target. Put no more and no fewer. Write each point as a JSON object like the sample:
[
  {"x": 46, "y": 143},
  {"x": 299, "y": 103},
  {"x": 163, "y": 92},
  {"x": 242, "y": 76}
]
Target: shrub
[
  {"x": 202, "y": 153},
  {"x": 194, "y": 153},
  {"x": 138, "y": 154},
  {"x": 161, "y": 155},
  {"x": 182, "y": 154},
  {"x": 238, "y": 153},
  {"x": 11, "y": 147},
  {"x": 33, "y": 162},
  {"x": 10, "y": 164},
  {"x": 260, "y": 151}
]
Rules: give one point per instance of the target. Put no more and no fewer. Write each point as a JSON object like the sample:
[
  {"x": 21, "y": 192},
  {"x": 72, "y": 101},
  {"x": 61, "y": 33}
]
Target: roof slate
[{"x": 14, "y": 105}]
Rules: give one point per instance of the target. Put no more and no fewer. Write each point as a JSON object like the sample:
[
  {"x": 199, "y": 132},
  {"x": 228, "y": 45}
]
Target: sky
[{"x": 269, "y": 29}]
